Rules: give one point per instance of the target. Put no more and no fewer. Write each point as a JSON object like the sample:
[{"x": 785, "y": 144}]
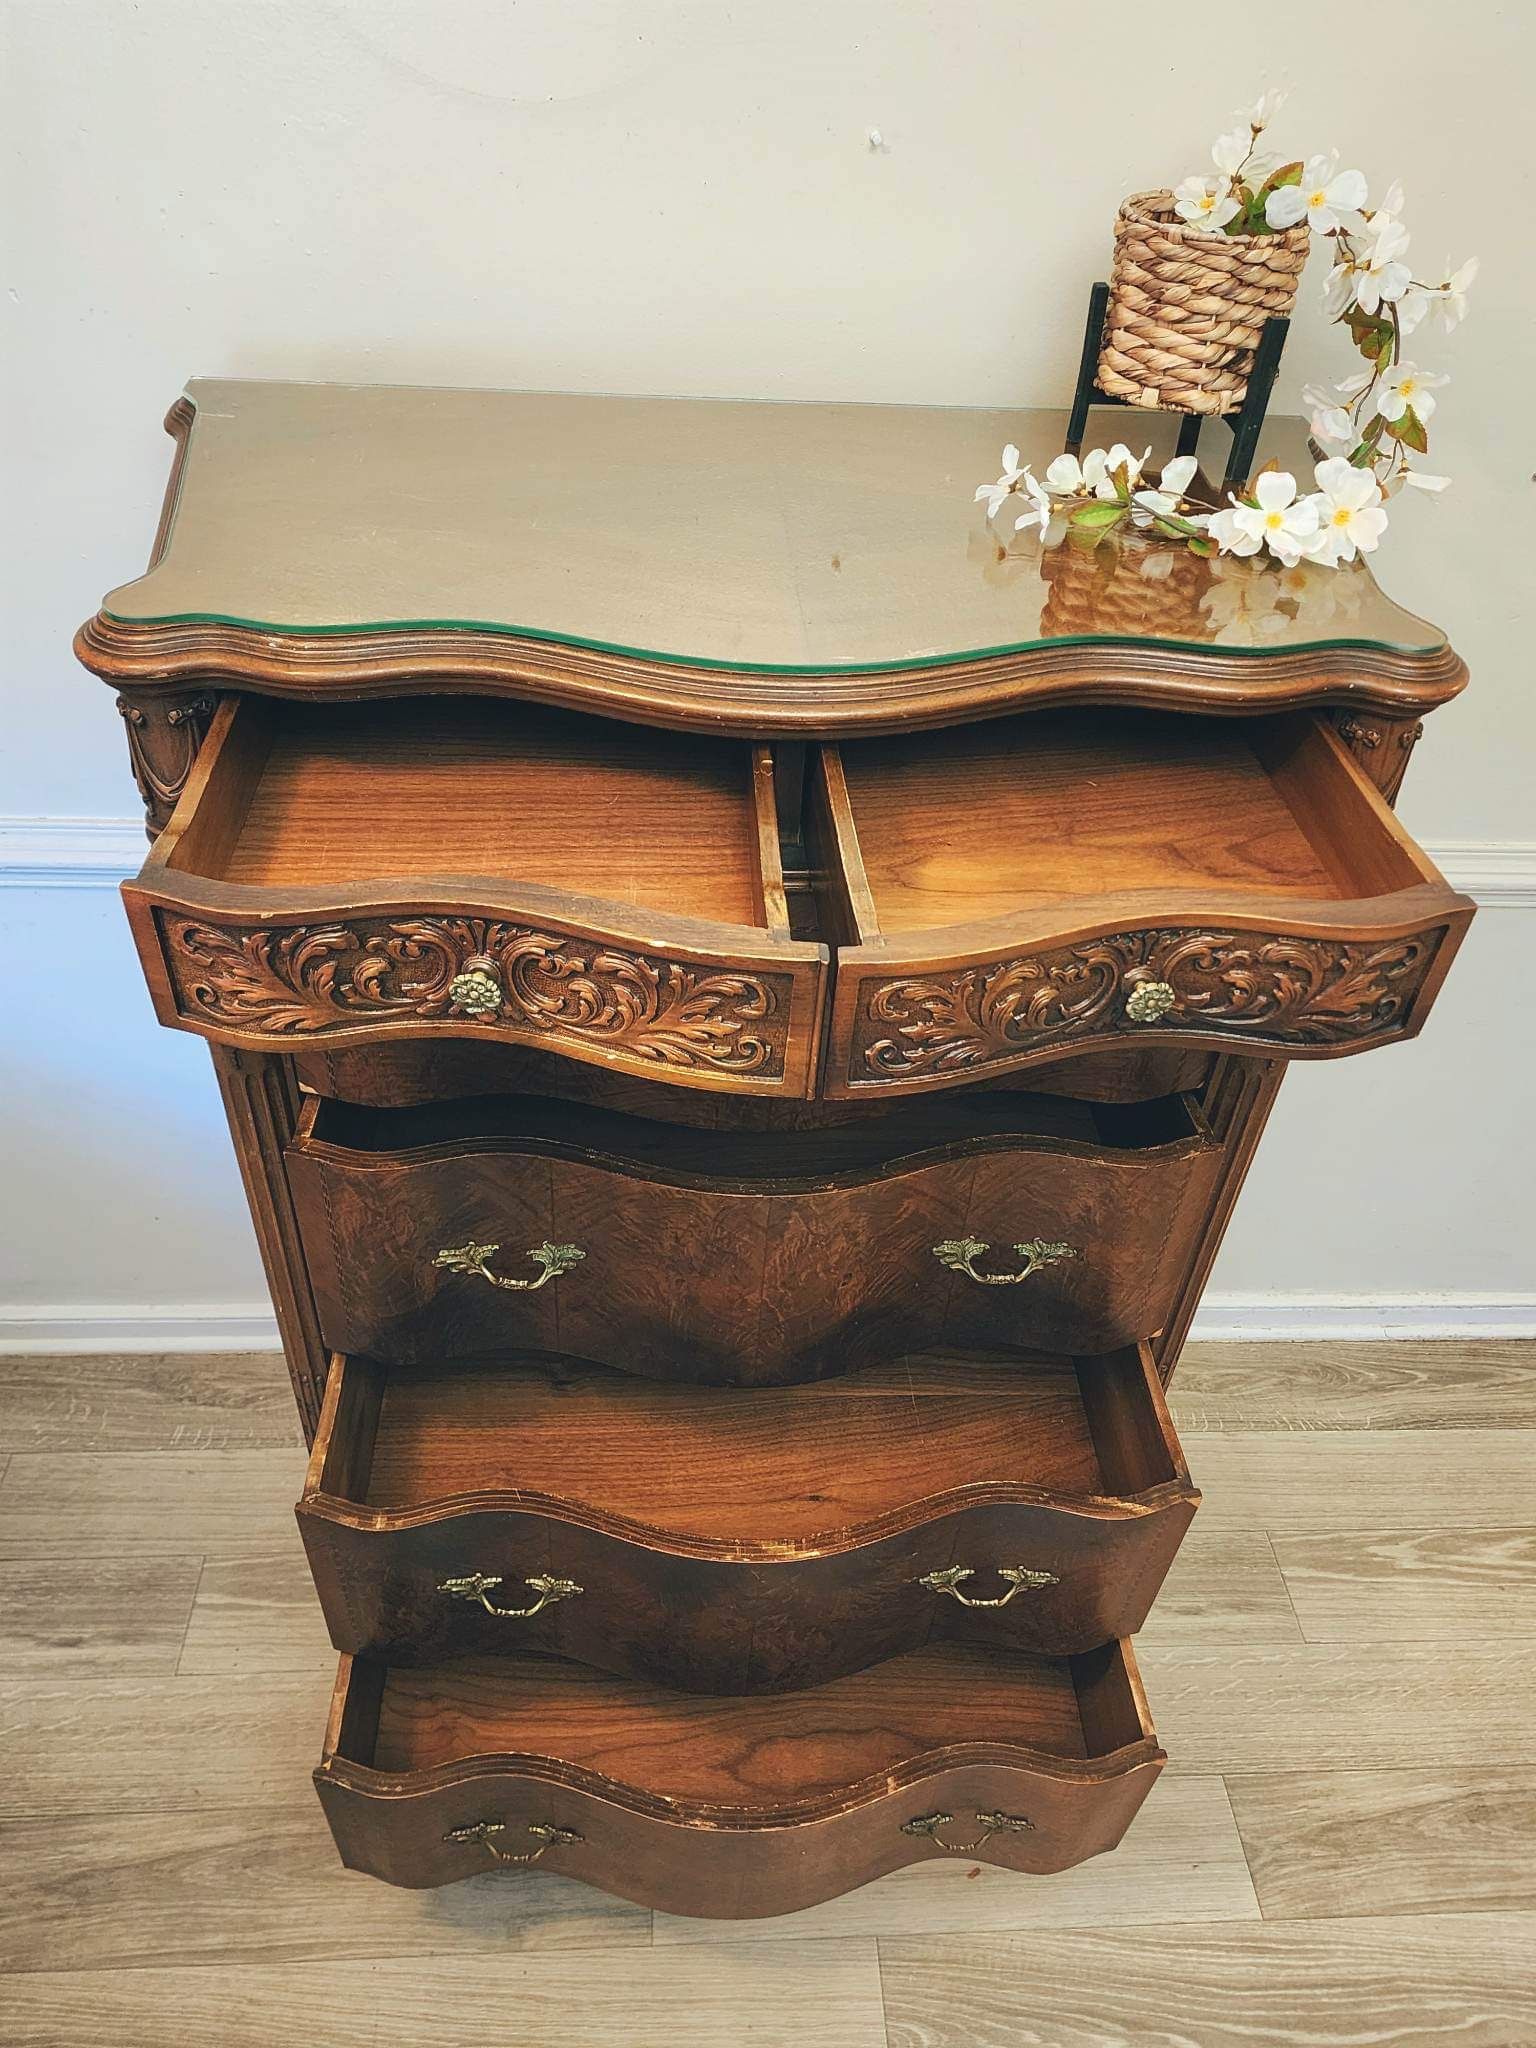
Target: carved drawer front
[
  {"x": 1012, "y": 892},
  {"x": 506, "y": 1225},
  {"x": 734, "y": 1808},
  {"x": 741, "y": 1539},
  {"x": 446, "y": 867}
]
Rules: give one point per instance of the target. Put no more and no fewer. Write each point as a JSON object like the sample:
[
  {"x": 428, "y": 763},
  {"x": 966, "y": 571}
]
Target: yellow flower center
[
  {"x": 1317, "y": 198},
  {"x": 1274, "y": 521},
  {"x": 1342, "y": 516},
  {"x": 1407, "y": 387}
]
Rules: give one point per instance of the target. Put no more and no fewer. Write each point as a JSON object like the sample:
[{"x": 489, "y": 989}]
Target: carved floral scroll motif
[
  {"x": 315, "y": 978},
  {"x": 1272, "y": 988}
]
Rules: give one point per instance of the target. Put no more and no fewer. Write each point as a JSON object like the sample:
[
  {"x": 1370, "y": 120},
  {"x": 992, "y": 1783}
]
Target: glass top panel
[{"x": 729, "y": 534}]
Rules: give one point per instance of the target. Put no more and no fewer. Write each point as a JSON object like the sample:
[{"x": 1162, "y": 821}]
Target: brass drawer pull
[
  {"x": 477, "y": 1586},
  {"x": 547, "y": 1837},
  {"x": 990, "y": 1824},
  {"x": 1018, "y": 1576},
  {"x": 477, "y": 989},
  {"x": 1148, "y": 1001},
  {"x": 961, "y": 1254},
  {"x": 553, "y": 1259}
]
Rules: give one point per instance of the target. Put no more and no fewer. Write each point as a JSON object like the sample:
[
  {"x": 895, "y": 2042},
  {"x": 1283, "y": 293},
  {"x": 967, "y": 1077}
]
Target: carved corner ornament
[
  {"x": 588, "y": 997},
  {"x": 165, "y": 729},
  {"x": 1381, "y": 746},
  {"x": 1273, "y": 989}
]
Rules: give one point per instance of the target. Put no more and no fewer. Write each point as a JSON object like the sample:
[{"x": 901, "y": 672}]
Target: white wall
[{"x": 679, "y": 196}]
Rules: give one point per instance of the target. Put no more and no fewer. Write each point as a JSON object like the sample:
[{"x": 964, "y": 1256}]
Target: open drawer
[
  {"x": 444, "y": 865},
  {"x": 513, "y": 1224},
  {"x": 1004, "y": 893},
  {"x": 733, "y": 1808},
  {"x": 750, "y": 1541}
]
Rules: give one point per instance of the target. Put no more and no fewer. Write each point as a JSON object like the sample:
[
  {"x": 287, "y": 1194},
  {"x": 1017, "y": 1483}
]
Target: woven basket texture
[{"x": 1186, "y": 308}]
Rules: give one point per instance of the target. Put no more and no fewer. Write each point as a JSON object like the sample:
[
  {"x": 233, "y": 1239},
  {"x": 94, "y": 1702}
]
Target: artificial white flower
[
  {"x": 1065, "y": 477},
  {"x": 1263, "y": 110},
  {"x": 1068, "y": 477},
  {"x": 1339, "y": 291},
  {"x": 1232, "y": 537},
  {"x": 1421, "y": 480},
  {"x": 1327, "y": 198},
  {"x": 1403, "y": 386},
  {"x": 1175, "y": 480},
  {"x": 1095, "y": 468},
  {"x": 1205, "y": 203},
  {"x": 1330, "y": 422},
  {"x": 1118, "y": 457},
  {"x": 1279, "y": 520},
  {"x": 1382, "y": 276},
  {"x": 1450, "y": 298},
  {"x": 994, "y": 494},
  {"x": 1350, "y": 519},
  {"x": 1392, "y": 203},
  {"x": 1230, "y": 152},
  {"x": 1040, "y": 507},
  {"x": 1412, "y": 307}
]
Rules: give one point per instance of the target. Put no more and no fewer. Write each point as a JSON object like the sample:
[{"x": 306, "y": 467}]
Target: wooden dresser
[{"x": 743, "y": 1010}]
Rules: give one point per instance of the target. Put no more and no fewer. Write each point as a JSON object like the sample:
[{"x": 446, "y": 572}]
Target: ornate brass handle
[
  {"x": 552, "y": 1259},
  {"x": 961, "y": 1254},
  {"x": 547, "y": 1837},
  {"x": 477, "y": 1586},
  {"x": 1150, "y": 1000},
  {"x": 990, "y": 1824},
  {"x": 1018, "y": 1576}
]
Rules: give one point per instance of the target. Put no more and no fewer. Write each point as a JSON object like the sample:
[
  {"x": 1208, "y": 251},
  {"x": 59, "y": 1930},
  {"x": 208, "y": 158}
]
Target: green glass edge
[{"x": 770, "y": 668}]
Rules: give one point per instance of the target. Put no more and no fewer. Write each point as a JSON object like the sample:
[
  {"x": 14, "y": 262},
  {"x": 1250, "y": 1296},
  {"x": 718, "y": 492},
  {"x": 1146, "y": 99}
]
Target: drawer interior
[
  {"x": 750, "y": 1471},
  {"x": 747, "y": 1752},
  {"x": 977, "y": 822},
  {"x": 404, "y": 1076},
  {"x": 759, "y": 1162},
  {"x": 304, "y": 796}
]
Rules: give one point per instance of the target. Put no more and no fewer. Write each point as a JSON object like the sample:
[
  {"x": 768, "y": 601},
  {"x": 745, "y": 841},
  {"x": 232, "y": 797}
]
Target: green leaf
[
  {"x": 1097, "y": 515},
  {"x": 1288, "y": 174},
  {"x": 1410, "y": 431},
  {"x": 1201, "y": 546}
]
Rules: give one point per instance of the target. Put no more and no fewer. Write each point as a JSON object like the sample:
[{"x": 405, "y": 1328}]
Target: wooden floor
[{"x": 1341, "y": 1853}]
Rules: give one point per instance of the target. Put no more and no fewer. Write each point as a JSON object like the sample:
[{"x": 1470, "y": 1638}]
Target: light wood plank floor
[{"x": 1342, "y": 1852}]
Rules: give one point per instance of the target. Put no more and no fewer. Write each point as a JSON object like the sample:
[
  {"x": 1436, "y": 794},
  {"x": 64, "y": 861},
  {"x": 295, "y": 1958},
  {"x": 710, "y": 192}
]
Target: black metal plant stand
[{"x": 1244, "y": 424}]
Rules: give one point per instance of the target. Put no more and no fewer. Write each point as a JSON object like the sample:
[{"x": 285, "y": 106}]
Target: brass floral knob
[
  {"x": 477, "y": 989},
  {"x": 1148, "y": 1001}
]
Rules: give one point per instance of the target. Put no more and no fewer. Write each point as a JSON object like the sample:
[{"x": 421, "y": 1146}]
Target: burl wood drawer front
[
  {"x": 451, "y": 867},
  {"x": 512, "y": 1225},
  {"x": 741, "y": 1540},
  {"x": 731, "y": 1809},
  {"x": 1006, "y": 893}
]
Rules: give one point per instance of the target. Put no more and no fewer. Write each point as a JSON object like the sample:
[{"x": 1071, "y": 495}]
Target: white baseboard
[
  {"x": 1250, "y": 1318},
  {"x": 127, "y": 1326},
  {"x": 94, "y": 853},
  {"x": 1363, "y": 1318}
]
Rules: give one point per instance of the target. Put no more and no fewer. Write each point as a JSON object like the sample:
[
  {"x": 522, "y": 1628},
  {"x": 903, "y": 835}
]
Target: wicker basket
[{"x": 1186, "y": 308}]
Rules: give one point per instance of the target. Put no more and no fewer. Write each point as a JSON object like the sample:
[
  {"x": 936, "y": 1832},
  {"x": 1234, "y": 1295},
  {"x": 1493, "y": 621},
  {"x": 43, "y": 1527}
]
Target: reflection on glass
[{"x": 1132, "y": 587}]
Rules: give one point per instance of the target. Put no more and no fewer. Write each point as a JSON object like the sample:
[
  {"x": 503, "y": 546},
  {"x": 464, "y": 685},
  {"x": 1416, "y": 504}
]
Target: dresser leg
[
  {"x": 1237, "y": 1103},
  {"x": 261, "y": 1100}
]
